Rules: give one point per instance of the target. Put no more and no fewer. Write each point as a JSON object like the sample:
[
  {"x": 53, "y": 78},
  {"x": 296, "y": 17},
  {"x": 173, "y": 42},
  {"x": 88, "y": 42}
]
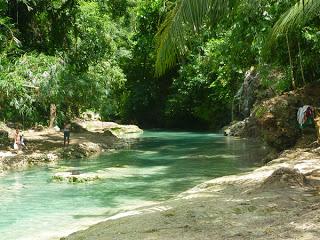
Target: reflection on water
[{"x": 158, "y": 166}]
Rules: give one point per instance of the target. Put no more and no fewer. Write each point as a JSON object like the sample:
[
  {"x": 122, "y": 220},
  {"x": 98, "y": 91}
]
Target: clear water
[{"x": 158, "y": 166}]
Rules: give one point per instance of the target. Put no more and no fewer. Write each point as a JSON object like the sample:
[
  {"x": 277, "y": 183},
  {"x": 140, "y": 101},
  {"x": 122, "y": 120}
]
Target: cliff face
[{"x": 274, "y": 120}]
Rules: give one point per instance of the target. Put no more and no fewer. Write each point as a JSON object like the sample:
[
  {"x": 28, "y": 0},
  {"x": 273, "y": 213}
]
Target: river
[{"x": 158, "y": 166}]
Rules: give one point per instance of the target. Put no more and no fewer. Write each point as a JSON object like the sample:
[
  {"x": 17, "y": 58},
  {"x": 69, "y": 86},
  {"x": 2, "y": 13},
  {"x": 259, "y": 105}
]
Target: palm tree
[
  {"x": 189, "y": 15},
  {"x": 7, "y": 32},
  {"x": 184, "y": 16},
  {"x": 296, "y": 17}
]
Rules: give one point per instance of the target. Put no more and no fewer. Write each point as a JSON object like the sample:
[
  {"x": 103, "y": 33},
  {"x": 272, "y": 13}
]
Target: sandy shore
[{"x": 277, "y": 201}]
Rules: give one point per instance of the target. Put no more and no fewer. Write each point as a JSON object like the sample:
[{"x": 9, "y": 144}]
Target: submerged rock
[
  {"x": 10, "y": 160},
  {"x": 75, "y": 176}
]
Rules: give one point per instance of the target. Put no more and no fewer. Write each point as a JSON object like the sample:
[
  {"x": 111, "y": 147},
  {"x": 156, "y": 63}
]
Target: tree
[
  {"x": 184, "y": 16},
  {"x": 189, "y": 15},
  {"x": 296, "y": 17}
]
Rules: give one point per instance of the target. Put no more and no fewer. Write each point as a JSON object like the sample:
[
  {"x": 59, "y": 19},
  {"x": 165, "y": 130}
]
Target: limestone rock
[
  {"x": 126, "y": 131},
  {"x": 247, "y": 94},
  {"x": 90, "y": 115},
  {"x": 80, "y": 151},
  {"x": 38, "y": 128},
  {"x": 106, "y": 128},
  {"x": 4, "y": 137},
  {"x": 4, "y": 134},
  {"x": 236, "y": 129},
  {"x": 274, "y": 120},
  {"x": 285, "y": 176},
  {"x": 108, "y": 133},
  {"x": 37, "y": 158},
  {"x": 75, "y": 177},
  {"x": 89, "y": 147},
  {"x": 77, "y": 127}
]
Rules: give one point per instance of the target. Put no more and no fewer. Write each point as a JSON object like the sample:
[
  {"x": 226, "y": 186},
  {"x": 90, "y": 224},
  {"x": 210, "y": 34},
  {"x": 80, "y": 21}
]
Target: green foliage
[
  {"x": 144, "y": 101},
  {"x": 260, "y": 111},
  {"x": 184, "y": 15},
  {"x": 204, "y": 90},
  {"x": 102, "y": 55},
  {"x": 296, "y": 17},
  {"x": 75, "y": 62},
  {"x": 22, "y": 83},
  {"x": 275, "y": 78}
]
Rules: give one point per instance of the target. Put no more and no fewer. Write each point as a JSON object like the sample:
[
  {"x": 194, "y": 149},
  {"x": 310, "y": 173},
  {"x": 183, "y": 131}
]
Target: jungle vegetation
[{"x": 156, "y": 63}]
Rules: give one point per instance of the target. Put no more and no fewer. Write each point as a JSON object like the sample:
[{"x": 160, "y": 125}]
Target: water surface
[{"x": 158, "y": 166}]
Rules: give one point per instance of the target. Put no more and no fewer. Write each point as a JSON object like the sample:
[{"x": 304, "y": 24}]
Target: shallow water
[{"x": 158, "y": 166}]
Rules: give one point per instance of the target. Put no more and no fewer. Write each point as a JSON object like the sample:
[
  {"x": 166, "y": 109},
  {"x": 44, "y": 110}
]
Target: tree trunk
[
  {"x": 301, "y": 67},
  {"x": 290, "y": 61},
  {"x": 53, "y": 115}
]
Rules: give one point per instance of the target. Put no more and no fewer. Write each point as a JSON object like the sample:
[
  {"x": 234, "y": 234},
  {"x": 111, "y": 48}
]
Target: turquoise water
[{"x": 158, "y": 166}]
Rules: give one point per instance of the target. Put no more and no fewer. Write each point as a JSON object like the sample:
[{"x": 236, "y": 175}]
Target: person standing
[
  {"x": 16, "y": 141},
  {"x": 66, "y": 134}
]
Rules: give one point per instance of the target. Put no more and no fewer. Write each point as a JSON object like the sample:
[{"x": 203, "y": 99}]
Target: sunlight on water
[{"x": 160, "y": 165}]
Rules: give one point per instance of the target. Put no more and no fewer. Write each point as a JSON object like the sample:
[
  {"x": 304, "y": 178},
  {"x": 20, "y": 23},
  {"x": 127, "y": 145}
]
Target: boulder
[
  {"x": 108, "y": 133},
  {"x": 4, "y": 134},
  {"x": 125, "y": 131},
  {"x": 38, "y": 128},
  {"x": 80, "y": 151},
  {"x": 245, "y": 128},
  {"x": 236, "y": 129},
  {"x": 4, "y": 137},
  {"x": 106, "y": 128},
  {"x": 247, "y": 94},
  {"x": 75, "y": 177},
  {"x": 274, "y": 120},
  {"x": 77, "y": 127},
  {"x": 90, "y": 115},
  {"x": 284, "y": 177},
  {"x": 89, "y": 147},
  {"x": 38, "y": 158}
]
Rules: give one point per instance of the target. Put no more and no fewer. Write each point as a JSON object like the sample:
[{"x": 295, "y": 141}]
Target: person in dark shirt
[{"x": 66, "y": 134}]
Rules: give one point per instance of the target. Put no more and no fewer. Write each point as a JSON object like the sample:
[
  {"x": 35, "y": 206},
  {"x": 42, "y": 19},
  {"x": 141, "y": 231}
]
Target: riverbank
[
  {"x": 277, "y": 201},
  {"x": 46, "y": 146}
]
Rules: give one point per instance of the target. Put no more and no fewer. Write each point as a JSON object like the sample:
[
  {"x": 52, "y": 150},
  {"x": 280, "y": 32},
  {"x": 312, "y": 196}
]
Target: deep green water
[{"x": 158, "y": 166}]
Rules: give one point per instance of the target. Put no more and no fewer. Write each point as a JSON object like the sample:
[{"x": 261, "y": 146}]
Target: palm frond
[
  {"x": 4, "y": 22},
  {"x": 186, "y": 15},
  {"x": 297, "y": 16}
]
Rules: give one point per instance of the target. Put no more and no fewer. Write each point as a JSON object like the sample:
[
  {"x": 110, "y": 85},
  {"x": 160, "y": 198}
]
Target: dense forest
[{"x": 156, "y": 63}]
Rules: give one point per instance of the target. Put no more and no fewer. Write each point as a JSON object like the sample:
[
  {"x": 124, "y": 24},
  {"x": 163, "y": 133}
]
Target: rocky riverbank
[
  {"x": 274, "y": 120},
  {"x": 277, "y": 201},
  {"x": 45, "y": 146}
]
